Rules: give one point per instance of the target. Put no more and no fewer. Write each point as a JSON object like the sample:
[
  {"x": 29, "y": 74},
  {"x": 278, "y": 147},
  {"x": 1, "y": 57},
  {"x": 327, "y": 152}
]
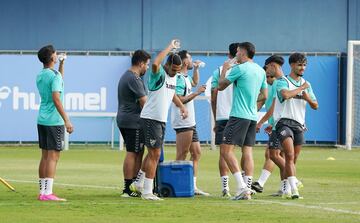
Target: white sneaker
[
  {"x": 197, "y": 191},
  {"x": 151, "y": 197},
  {"x": 243, "y": 194},
  {"x": 136, "y": 188}
]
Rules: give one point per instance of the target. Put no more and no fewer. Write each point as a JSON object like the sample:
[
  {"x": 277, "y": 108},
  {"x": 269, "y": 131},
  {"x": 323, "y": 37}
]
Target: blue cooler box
[{"x": 176, "y": 179}]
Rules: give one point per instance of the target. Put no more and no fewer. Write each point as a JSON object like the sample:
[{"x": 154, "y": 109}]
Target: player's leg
[
  {"x": 195, "y": 151},
  {"x": 223, "y": 168},
  {"x": 183, "y": 142},
  {"x": 247, "y": 153},
  {"x": 266, "y": 171},
  {"x": 154, "y": 132},
  {"x": 55, "y": 143},
  {"x": 234, "y": 134}
]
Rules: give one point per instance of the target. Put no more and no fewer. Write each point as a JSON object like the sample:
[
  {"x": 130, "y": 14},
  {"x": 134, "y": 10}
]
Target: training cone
[{"x": 330, "y": 158}]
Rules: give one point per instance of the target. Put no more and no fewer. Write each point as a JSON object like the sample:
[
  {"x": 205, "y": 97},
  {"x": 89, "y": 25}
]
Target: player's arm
[
  {"x": 266, "y": 117},
  {"x": 287, "y": 94},
  {"x": 223, "y": 82},
  {"x": 60, "y": 109},
  {"x": 195, "y": 78},
  {"x": 214, "y": 93},
  {"x": 183, "y": 111},
  {"x": 142, "y": 101},
  {"x": 61, "y": 67},
  {"x": 161, "y": 56},
  {"x": 186, "y": 99},
  {"x": 263, "y": 95},
  {"x": 310, "y": 98}
]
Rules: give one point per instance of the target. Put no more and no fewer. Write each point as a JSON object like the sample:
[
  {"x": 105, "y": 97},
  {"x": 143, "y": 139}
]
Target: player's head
[
  {"x": 246, "y": 50},
  {"x": 173, "y": 64},
  {"x": 186, "y": 59},
  {"x": 273, "y": 65},
  {"x": 47, "y": 55},
  {"x": 141, "y": 59},
  {"x": 270, "y": 78},
  {"x": 298, "y": 63},
  {"x": 233, "y": 47}
]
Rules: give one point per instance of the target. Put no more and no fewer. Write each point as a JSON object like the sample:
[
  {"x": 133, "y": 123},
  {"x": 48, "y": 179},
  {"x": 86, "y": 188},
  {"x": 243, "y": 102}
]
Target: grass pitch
[{"x": 90, "y": 177}]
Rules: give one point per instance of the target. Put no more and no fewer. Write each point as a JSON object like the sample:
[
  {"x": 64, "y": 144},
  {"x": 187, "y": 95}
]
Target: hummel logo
[{"x": 152, "y": 142}]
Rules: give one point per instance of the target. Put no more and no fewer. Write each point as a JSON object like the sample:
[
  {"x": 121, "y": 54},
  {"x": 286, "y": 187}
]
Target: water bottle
[
  {"x": 62, "y": 56},
  {"x": 202, "y": 64},
  {"x": 177, "y": 43}
]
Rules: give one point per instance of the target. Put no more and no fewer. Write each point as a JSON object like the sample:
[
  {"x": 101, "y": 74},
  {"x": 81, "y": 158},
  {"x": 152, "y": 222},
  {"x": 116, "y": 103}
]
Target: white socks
[
  {"x": 265, "y": 174},
  {"x": 195, "y": 186},
  {"x": 225, "y": 183},
  {"x": 48, "y": 186},
  {"x": 239, "y": 181},
  {"x": 140, "y": 178},
  {"x": 248, "y": 181},
  {"x": 42, "y": 186},
  {"x": 292, "y": 181},
  {"x": 148, "y": 186}
]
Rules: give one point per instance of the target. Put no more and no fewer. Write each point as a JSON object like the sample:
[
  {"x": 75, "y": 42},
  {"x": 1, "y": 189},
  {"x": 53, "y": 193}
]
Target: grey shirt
[{"x": 130, "y": 89}]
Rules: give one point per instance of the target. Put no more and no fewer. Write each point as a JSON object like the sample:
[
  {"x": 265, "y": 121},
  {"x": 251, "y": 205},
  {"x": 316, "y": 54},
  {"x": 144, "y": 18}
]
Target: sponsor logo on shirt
[{"x": 170, "y": 86}]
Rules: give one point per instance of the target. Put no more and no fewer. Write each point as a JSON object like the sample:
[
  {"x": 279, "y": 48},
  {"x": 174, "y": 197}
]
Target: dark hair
[
  {"x": 264, "y": 67},
  {"x": 45, "y": 53},
  {"x": 233, "y": 49},
  {"x": 140, "y": 56},
  {"x": 183, "y": 54},
  {"x": 276, "y": 59},
  {"x": 297, "y": 58},
  {"x": 249, "y": 47},
  {"x": 174, "y": 58}
]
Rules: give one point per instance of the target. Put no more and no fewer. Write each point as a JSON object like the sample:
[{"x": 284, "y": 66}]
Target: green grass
[{"x": 331, "y": 192}]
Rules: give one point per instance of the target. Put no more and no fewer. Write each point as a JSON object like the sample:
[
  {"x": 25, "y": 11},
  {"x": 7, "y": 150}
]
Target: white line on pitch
[
  {"x": 311, "y": 207},
  {"x": 67, "y": 185}
]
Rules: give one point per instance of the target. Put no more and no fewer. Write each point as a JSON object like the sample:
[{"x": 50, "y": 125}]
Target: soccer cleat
[
  {"x": 243, "y": 194},
  {"x": 286, "y": 195},
  {"x": 299, "y": 185},
  {"x": 226, "y": 193},
  {"x": 135, "y": 188},
  {"x": 257, "y": 187},
  {"x": 127, "y": 194},
  {"x": 39, "y": 197},
  {"x": 296, "y": 195},
  {"x": 51, "y": 197},
  {"x": 150, "y": 197},
  {"x": 200, "y": 192},
  {"x": 279, "y": 193}
]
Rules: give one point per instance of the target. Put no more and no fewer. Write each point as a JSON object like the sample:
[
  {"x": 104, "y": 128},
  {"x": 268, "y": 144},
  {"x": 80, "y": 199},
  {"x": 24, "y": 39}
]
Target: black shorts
[
  {"x": 195, "y": 137},
  {"x": 154, "y": 132},
  {"x": 51, "y": 137},
  {"x": 134, "y": 139},
  {"x": 219, "y": 131},
  {"x": 274, "y": 142},
  {"x": 239, "y": 131},
  {"x": 290, "y": 128}
]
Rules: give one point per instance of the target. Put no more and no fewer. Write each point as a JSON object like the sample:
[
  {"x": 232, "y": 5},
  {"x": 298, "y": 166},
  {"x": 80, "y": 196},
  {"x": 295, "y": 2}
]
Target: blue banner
[{"x": 91, "y": 86}]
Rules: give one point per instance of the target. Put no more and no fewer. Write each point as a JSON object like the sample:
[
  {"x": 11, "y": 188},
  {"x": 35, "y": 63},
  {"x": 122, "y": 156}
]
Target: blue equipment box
[{"x": 176, "y": 179}]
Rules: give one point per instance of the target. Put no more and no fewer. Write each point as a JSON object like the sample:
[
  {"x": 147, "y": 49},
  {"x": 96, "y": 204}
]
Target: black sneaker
[
  {"x": 129, "y": 193},
  {"x": 257, "y": 187}
]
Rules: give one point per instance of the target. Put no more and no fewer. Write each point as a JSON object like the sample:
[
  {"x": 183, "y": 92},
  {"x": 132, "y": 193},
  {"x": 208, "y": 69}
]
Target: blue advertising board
[{"x": 91, "y": 86}]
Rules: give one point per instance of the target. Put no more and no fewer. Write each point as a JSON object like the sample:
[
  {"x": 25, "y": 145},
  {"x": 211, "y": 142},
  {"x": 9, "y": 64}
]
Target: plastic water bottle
[
  {"x": 202, "y": 64},
  {"x": 177, "y": 43},
  {"x": 62, "y": 56}
]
